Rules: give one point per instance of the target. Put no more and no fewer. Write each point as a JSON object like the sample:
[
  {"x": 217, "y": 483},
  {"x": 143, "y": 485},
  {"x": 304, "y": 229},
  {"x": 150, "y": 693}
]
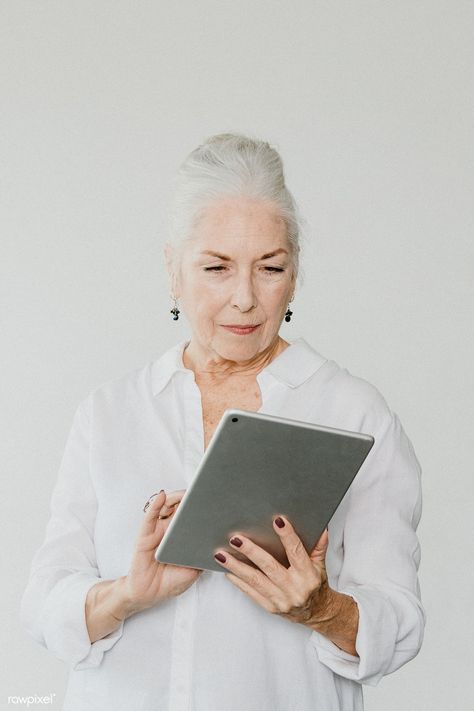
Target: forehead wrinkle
[
  {"x": 219, "y": 232},
  {"x": 228, "y": 226},
  {"x": 238, "y": 211}
]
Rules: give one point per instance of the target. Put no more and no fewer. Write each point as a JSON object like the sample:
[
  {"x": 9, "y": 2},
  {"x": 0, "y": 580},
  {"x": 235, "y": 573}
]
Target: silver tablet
[{"x": 255, "y": 467}]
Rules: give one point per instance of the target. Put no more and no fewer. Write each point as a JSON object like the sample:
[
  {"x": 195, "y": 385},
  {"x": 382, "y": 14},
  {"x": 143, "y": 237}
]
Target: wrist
[
  {"x": 122, "y": 605},
  {"x": 325, "y": 608},
  {"x": 336, "y": 616}
]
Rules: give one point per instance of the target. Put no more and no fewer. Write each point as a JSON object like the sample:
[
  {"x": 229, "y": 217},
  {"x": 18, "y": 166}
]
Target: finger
[
  {"x": 254, "y": 577},
  {"x": 172, "y": 501},
  {"x": 272, "y": 568},
  {"x": 151, "y": 498},
  {"x": 318, "y": 554},
  {"x": 174, "y": 497},
  {"x": 295, "y": 551},
  {"x": 151, "y": 515},
  {"x": 166, "y": 512}
]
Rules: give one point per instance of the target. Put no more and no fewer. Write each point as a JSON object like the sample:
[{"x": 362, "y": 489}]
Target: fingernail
[
  {"x": 236, "y": 541},
  {"x": 279, "y": 522},
  {"x": 220, "y": 557}
]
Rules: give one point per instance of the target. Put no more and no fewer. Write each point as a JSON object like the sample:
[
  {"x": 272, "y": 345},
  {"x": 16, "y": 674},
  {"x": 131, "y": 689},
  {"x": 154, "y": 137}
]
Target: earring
[
  {"x": 289, "y": 313},
  {"x": 175, "y": 311}
]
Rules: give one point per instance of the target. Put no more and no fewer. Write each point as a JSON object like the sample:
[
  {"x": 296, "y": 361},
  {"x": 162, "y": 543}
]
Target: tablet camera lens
[{"x": 235, "y": 419}]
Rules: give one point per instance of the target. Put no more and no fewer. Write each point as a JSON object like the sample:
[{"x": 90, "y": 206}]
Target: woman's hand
[
  {"x": 300, "y": 593},
  {"x": 148, "y": 581}
]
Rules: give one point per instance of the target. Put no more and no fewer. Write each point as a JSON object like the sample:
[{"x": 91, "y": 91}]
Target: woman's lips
[{"x": 241, "y": 330}]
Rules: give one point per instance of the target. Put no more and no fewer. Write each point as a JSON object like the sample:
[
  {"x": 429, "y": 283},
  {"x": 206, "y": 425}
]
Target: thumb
[{"x": 318, "y": 554}]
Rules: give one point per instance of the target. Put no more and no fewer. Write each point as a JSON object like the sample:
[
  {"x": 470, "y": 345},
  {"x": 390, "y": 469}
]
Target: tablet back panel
[{"x": 255, "y": 467}]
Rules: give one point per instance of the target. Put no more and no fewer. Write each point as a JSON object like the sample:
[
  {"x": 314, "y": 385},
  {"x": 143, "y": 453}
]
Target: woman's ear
[{"x": 169, "y": 254}]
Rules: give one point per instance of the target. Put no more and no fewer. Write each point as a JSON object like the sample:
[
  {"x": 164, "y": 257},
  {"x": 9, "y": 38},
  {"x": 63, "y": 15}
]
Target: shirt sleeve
[
  {"x": 64, "y": 568},
  {"x": 381, "y": 556}
]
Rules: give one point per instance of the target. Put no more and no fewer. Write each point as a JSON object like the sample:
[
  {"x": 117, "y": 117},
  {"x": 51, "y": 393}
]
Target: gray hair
[{"x": 230, "y": 165}]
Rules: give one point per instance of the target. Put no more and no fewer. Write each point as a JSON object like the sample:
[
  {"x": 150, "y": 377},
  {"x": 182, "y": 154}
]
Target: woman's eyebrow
[{"x": 228, "y": 259}]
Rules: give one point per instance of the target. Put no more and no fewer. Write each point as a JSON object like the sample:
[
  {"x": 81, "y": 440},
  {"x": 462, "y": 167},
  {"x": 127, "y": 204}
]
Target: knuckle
[
  {"x": 296, "y": 547},
  {"x": 285, "y": 608},
  {"x": 273, "y": 607},
  {"x": 254, "y": 580},
  {"x": 299, "y": 600},
  {"x": 271, "y": 569}
]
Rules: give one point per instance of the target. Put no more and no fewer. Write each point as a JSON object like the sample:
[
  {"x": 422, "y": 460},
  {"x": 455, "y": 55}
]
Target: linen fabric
[{"x": 213, "y": 648}]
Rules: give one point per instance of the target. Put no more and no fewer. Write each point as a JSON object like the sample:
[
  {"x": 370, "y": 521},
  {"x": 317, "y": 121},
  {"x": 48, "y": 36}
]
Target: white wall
[{"x": 370, "y": 104}]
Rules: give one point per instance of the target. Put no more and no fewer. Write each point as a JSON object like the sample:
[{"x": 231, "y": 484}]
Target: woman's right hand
[{"x": 148, "y": 581}]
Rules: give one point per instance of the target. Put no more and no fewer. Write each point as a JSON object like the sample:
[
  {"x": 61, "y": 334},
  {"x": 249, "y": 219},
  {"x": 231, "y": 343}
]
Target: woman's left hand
[{"x": 300, "y": 592}]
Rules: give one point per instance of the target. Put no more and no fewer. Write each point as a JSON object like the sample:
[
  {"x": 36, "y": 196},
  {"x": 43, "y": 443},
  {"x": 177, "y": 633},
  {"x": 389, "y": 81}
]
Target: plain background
[{"x": 370, "y": 105}]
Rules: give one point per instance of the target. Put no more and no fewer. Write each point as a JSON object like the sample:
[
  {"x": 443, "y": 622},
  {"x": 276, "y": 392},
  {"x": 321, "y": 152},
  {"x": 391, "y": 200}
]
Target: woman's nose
[{"x": 244, "y": 295}]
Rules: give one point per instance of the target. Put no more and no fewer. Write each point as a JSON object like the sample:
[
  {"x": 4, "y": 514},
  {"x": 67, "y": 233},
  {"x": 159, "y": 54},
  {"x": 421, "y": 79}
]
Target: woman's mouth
[{"x": 240, "y": 330}]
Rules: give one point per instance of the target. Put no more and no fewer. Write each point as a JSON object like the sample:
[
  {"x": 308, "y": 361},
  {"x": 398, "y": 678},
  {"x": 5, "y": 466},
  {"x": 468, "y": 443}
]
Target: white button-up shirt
[{"x": 213, "y": 648}]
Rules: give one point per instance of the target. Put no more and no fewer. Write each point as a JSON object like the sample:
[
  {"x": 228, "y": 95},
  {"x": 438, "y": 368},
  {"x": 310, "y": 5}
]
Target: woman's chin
[{"x": 239, "y": 348}]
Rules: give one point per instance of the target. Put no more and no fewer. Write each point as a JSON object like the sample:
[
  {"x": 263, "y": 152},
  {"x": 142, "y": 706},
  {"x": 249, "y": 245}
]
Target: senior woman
[{"x": 143, "y": 635}]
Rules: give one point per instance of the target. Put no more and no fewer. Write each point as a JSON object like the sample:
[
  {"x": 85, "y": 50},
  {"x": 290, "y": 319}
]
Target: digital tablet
[{"x": 255, "y": 467}]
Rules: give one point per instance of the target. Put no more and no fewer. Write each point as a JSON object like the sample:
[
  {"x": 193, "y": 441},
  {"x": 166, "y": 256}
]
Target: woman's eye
[{"x": 220, "y": 267}]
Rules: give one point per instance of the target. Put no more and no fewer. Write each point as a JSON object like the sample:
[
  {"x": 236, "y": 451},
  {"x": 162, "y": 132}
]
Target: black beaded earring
[
  {"x": 288, "y": 314},
  {"x": 175, "y": 311}
]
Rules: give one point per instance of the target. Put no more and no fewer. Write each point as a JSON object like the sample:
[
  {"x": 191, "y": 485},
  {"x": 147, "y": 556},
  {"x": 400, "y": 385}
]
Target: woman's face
[{"x": 236, "y": 270}]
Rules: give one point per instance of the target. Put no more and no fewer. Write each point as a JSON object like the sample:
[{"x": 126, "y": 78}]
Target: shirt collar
[{"x": 292, "y": 366}]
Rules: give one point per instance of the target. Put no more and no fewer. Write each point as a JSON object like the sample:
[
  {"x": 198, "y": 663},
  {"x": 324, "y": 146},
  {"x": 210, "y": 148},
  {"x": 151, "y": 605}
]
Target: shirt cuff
[
  {"x": 375, "y": 641},
  {"x": 63, "y": 622}
]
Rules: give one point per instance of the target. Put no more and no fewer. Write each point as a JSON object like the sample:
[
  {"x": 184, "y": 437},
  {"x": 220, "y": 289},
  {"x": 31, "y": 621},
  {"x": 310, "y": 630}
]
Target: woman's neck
[{"x": 207, "y": 363}]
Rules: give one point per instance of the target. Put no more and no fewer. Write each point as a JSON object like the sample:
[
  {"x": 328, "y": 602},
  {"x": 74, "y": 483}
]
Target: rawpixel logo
[{"x": 29, "y": 700}]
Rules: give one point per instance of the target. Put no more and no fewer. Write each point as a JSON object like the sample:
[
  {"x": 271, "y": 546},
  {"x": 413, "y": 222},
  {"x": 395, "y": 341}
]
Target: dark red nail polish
[
  {"x": 220, "y": 557},
  {"x": 236, "y": 541},
  {"x": 279, "y": 522}
]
